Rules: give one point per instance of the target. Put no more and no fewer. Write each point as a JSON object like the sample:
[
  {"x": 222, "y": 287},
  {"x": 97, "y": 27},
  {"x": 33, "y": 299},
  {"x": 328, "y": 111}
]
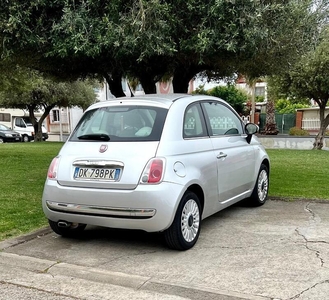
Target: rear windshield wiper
[{"x": 95, "y": 136}]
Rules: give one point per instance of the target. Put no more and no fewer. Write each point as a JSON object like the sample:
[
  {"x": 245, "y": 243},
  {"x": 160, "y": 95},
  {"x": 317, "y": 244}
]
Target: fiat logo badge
[{"x": 103, "y": 148}]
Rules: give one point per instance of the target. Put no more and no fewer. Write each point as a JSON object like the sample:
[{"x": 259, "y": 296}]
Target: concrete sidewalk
[{"x": 277, "y": 251}]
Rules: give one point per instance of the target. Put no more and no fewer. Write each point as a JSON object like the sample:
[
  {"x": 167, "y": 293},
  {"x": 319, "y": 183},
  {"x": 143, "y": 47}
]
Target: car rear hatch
[
  {"x": 111, "y": 145},
  {"x": 112, "y": 165}
]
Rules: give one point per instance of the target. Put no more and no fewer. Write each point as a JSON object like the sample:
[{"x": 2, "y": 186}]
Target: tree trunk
[
  {"x": 37, "y": 135},
  {"x": 251, "y": 82},
  {"x": 148, "y": 84},
  {"x": 37, "y": 132},
  {"x": 270, "y": 126},
  {"x": 324, "y": 122},
  {"x": 38, "y": 124},
  {"x": 253, "y": 104},
  {"x": 115, "y": 84},
  {"x": 182, "y": 77}
]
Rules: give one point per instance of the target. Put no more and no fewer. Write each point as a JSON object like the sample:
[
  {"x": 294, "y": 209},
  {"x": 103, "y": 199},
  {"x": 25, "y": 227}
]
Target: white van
[
  {"x": 19, "y": 121},
  {"x": 24, "y": 126}
]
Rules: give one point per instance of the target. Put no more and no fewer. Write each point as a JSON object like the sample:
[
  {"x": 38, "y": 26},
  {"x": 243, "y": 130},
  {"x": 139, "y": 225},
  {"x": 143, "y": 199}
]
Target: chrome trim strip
[
  {"x": 98, "y": 163},
  {"x": 101, "y": 210}
]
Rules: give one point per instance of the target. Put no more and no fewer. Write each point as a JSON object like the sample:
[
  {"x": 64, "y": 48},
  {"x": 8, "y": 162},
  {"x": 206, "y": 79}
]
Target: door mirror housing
[{"x": 250, "y": 129}]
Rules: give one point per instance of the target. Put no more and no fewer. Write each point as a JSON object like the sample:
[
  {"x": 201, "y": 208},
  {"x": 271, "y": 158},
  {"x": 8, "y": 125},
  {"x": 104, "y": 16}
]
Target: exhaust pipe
[{"x": 64, "y": 224}]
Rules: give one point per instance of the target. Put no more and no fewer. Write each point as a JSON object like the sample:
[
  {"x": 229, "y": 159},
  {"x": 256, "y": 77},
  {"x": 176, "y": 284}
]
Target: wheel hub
[{"x": 190, "y": 221}]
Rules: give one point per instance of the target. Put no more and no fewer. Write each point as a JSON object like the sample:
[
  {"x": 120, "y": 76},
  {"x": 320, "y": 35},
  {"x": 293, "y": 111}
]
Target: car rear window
[{"x": 121, "y": 123}]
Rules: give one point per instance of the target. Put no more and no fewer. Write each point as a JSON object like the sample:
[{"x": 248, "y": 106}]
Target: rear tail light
[
  {"x": 154, "y": 171},
  {"x": 52, "y": 171}
]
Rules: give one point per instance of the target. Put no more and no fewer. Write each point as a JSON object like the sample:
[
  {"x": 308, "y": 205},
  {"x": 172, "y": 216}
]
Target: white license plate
[{"x": 97, "y": 173}]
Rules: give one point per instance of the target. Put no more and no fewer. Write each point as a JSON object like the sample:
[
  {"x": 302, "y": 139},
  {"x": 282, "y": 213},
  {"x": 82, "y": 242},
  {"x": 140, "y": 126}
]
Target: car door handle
[{"x": 221, "y": 155}]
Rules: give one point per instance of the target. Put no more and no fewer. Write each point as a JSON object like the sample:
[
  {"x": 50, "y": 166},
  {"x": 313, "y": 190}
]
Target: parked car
[
  {"x": 8, "y": 135},
  {"x": 158, "y": 163}
]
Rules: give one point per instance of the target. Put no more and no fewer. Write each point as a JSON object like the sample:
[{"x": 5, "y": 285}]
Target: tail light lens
[
  {"x": 52, "y": 171},
  {"x": 154, "y": 171}
]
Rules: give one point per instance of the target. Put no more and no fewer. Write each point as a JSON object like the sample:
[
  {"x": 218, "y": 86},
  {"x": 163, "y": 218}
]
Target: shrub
[
  {"x": 298, "y": 131},
  {"x": 284, "y": 106},
  {"x": 201, "y": 91},
  {"x": 234, "y": 96}
]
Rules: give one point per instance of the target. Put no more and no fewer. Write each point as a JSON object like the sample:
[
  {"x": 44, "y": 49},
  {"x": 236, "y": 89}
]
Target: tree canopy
[
  {"x": 150, "y": 39},
  {"x": 309, "y": 78},
  {"x": 30, "y": 90},
  {"x": 284, "y": 106}
]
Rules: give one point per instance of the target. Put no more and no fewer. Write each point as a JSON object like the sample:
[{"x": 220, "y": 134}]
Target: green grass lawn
[
  {"x": 299, "y": 173},
  {"x": 23, "y": 170}
]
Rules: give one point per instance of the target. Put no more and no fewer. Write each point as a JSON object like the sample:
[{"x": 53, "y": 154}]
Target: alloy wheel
[{"x": 190, "y": 220}]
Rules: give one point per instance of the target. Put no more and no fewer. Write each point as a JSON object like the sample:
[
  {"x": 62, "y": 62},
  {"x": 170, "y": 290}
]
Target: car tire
[
  {"x": 185, "y": 229},
  {"x": 1, "y": 140},
  {"x": 71, "y": 231},
  {"x": 260, "y": 191},
  {"x": 25, "y": 138}
]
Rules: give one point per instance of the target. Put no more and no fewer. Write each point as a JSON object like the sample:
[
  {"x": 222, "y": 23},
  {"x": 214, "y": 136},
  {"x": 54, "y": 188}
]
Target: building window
[
  {"x": 55, "y": 114},
  {"x": 260, "y": 91}
]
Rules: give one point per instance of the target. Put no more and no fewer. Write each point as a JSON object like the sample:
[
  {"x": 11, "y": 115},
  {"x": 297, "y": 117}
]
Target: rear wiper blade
[{"x": 95, "y": 136}]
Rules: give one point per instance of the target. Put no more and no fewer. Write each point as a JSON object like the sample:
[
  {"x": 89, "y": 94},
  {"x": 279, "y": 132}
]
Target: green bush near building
[
  {"x": 230, "y": 93},
  {"x": 298, "y": 132}
]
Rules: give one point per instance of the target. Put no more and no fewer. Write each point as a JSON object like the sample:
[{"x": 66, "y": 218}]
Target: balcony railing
[{"x": 311, "y": 124}]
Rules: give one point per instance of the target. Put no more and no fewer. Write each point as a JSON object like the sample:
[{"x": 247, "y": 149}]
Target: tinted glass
[
  {"x": 221, "y": 119},
  {"x": 194, "y": 125},
  {"x": 121, "y": 123},
  {"x": 4, "y": 117}
]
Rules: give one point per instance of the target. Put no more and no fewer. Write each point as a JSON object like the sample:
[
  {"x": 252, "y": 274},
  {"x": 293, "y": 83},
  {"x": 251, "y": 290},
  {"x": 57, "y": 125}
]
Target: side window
[
  {"x": 221, "y": 119},
  {"x": 194, "y": 125},
  {"x": 19, "y": 122},
  {"x": 4, "y": 117}
]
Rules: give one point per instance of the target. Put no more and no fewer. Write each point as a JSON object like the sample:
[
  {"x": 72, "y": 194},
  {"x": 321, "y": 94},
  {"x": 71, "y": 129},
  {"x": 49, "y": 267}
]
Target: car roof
[{"x": 160, "y": 100}]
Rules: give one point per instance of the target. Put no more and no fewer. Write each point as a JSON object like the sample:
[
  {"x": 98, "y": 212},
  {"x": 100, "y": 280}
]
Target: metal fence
[
  {"x": 283, "y": 122},
  {"x": 311, "y": 124}
]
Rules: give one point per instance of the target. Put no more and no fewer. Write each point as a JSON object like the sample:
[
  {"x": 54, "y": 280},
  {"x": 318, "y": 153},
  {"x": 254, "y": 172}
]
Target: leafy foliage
[
  {"x": 285, "y": 106},
  {"x": 30, "y": 90},
  {"x": 232, "y": 95},
  {"x": 149, "y": 39},
  {"x": 309, "y": 78}
]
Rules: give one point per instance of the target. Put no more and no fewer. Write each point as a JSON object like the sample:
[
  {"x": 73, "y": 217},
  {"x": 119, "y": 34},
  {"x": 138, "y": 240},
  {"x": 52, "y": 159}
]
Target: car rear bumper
[
  {"x": 148, "y": 207},
  {"x": 115, "y": 212}
]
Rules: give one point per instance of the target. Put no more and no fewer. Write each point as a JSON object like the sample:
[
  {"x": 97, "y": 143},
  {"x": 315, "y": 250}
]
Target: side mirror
[{"x": 250, "y": 129}]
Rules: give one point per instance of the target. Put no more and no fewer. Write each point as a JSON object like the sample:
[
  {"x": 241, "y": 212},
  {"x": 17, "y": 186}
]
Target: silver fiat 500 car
[{"x": 158, "y": 163}]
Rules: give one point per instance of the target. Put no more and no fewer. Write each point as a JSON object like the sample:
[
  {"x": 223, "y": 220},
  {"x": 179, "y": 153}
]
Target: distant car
[
  {"x": 7, "y": 135},
  {"x": 159, "y": 163}
]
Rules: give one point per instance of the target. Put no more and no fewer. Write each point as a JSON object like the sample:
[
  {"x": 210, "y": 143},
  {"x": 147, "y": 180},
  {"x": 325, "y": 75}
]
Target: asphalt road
[{"x": 277, "y": 251}]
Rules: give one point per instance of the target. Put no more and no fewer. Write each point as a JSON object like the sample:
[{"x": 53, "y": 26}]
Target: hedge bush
[{"x": 298, "y": 131}]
